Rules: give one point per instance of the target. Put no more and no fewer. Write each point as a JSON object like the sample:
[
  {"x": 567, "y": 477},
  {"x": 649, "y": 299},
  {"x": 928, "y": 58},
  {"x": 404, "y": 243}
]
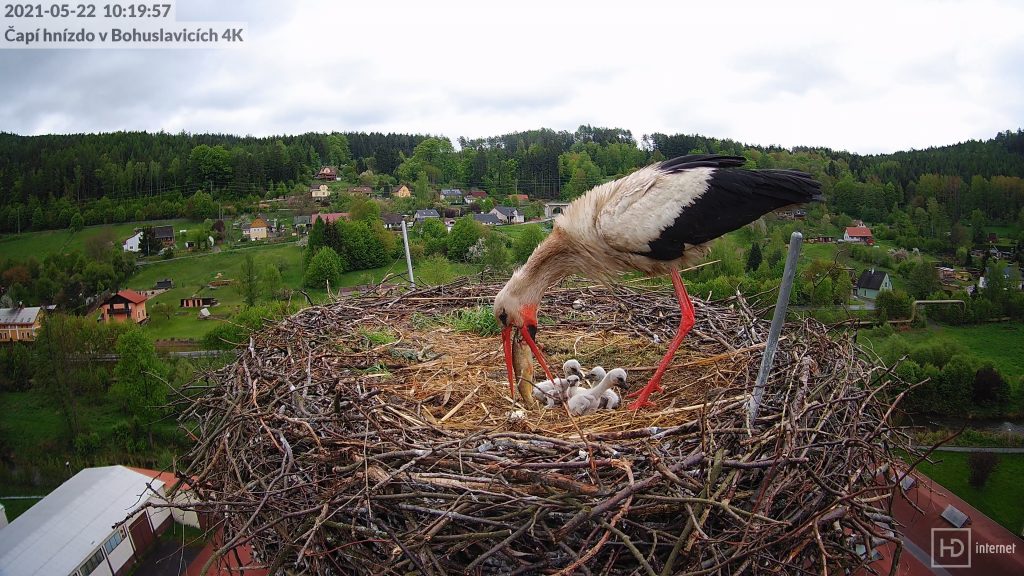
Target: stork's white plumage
[
  {"x": 610, "y": 398},
  {"x": 656, "y": 221},
  {"x": 554, "y": 392},
  {"x": 589, "y": 400}
]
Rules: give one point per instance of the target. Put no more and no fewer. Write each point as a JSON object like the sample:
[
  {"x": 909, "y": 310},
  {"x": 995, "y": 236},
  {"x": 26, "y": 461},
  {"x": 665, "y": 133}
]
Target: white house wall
[{"x": 122, "y": 554}]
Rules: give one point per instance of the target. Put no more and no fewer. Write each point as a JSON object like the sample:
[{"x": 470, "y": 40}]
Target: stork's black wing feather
[
  {"x": 682, "y": 163},
  {"x": 734, "y": 198}
]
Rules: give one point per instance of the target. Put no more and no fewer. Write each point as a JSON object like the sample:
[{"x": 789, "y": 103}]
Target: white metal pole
[{"x": 408, "y": 258}]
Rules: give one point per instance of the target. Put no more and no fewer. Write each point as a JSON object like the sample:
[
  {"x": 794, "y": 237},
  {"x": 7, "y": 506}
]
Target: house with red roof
[
  {"x": 861, "y": 234},
  {"x": 124, "y": 306},
  {"x": 330, "y": 218}
]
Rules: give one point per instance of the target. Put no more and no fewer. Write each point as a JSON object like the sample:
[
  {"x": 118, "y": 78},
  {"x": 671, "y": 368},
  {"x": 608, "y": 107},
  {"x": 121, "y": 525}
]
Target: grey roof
[
  {"x": 63, "y": 529},
  {"x": 871, "y": 279},
  {"x": 19, "y": 315},
  {"x": 486, "y": 218},
  {"x": 391, "y": 219},
  {"x": 451, "y": 192},
  {"x": 505, "y": 211},
  {"x": 431, "y": 213},
  {"x": 162, "y": 232}
]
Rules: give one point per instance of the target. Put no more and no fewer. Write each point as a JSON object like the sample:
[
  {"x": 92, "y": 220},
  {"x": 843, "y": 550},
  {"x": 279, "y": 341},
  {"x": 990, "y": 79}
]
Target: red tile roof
[
  {"x": 167, "y": 478},
  {"x": 132, "y": 296},
  {"x": 330, "y": 218},
  {"x": 858, "y": 231}
]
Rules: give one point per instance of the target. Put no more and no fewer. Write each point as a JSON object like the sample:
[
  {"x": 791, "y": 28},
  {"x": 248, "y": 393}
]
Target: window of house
[
  {"x": 89, "y": 565},
  {"x": 112, "y": 542}
]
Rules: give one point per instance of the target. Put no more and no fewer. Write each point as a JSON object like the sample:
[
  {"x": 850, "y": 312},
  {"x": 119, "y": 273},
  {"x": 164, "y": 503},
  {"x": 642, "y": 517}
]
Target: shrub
[{"x": 980, "y": 466}]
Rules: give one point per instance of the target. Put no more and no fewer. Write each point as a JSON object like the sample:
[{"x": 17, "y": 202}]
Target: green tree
[
  {"x": 923, "y": 280},
  {"x": 272, "y": 282},
  {"x": 892, "y": 304},
  {"x": 978, "y": 226},
  {"x": 434, "y": 270},
  {"x": 77, "y": 222},
  {"x": 529, "y": 237},
  {"x": 161, "y": 310},
  {"x": 148, "y": 244},
  {"x": 434, "y": 235},
  {"x": 754, "y": 257},
  {"x": 248, "y": 283},
  {"x": 324, "y": 269},
  {"x": 464, "y": 234},
  {"x": 139, "y": 385},
  {"x": 38, "y": 219},
  {"x": 496, "y": 256}
]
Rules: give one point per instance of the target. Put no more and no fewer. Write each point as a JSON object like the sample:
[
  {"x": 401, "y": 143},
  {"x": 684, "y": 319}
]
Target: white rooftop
[{"x": 60, "y": 531}]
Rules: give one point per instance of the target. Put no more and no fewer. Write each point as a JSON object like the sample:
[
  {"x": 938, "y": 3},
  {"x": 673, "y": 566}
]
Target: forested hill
[{"x": 60, "y": 174}]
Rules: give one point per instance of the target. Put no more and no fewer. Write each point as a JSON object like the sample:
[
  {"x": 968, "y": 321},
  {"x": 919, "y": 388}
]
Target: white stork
[
  {"x": 589, "y": 400},
  {"x": 656, "y": 220}
]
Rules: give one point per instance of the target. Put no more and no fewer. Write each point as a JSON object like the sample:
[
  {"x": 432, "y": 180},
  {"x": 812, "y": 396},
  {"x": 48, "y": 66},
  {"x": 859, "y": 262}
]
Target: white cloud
[{"x": 871, "y": 77}]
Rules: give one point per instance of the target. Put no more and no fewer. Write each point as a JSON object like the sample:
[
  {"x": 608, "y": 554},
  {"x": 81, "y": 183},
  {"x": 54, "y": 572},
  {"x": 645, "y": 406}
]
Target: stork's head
[
  {"x": 513, "y": 312},
  {"x": 572, "y": 368}
]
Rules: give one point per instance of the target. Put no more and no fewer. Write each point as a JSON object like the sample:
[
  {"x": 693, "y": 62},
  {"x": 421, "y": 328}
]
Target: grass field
[
  {"x": 1002, "y": 496},
  {"x": 1000, "y": 343},
  {"x": 191, "y": 276},
  {"x": 42, "y": 244}
]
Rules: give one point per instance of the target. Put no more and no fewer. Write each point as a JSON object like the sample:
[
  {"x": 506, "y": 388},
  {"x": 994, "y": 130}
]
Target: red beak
[
  {"x": 506, "y": 342},
  {"x": 537, "y": 353}
]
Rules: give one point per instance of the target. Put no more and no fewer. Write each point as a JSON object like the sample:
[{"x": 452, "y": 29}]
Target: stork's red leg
[{"x": 685, "y": 324}]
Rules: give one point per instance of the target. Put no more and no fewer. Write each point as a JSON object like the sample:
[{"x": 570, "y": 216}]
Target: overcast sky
[{"x": 866, "y": 77}]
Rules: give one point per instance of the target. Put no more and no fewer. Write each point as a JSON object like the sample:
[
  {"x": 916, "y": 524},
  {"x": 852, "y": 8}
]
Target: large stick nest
[{"x": 368, "y": 436}]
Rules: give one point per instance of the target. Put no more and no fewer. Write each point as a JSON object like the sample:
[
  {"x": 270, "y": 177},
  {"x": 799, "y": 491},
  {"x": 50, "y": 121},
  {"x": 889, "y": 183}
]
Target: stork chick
[
  {"x": 554, "y": 392},
  {"x": 610, "y": 398},
  {"x": 656, "y": 220},
  {"x": 588, "y": 401}
]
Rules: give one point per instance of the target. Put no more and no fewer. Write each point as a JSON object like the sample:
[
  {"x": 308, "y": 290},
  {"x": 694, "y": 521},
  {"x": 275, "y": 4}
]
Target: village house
[
  {"x": 301, "y": 223},
  {"x": 123, "y": 306},
  {"x": 475, "y": 195},
  {"x": 133, "y": 243},
  {"x": 392, "y": 221},
  {"x": 329, "y": 218},
  {"x": 451, "y": 195},
  {"x": 487, "y": 219},
  {"x": 164, "y": 235},
  {"x": 165, "y": 284},
  {"x": 401, "y": 191},
  {"x": 256, "y": 230},
  {"x": 319, "y": 191},
  {"x": 508, "y": 215},
  {"x": 519, "y": 197},
  {"x": 422, "y": 215},
  {"x": 328, "y": 173},
  {"x": 860, "y": 234},
  {"x": 361, "y": 190},
  {"x": 871, "y": 282},
  {"x": 71, "y": 531},
  {"x": 19, "y": 324},
  {"x": 198, "y": 302}
]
